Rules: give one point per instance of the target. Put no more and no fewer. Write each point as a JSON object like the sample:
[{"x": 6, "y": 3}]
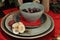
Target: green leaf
[{"x": 0, "y": 0}]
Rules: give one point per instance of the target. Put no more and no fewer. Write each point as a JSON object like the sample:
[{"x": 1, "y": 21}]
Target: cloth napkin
[{"x": 56, "y": 18}]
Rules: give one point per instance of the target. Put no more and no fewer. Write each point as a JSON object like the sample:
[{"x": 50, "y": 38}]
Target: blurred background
[{"x": 53, "y": 5}]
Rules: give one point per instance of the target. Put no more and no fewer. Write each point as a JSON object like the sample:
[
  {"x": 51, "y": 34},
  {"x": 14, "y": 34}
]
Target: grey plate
[
  {"x": 31, "y": 32},
  {"x": 35, "y": 33}
]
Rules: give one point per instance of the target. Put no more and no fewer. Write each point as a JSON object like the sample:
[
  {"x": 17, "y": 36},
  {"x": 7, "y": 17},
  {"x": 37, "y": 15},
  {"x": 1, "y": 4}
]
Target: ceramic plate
[
  {"x": 31, "y": 32},
  {"x": 43, "y": 30}
]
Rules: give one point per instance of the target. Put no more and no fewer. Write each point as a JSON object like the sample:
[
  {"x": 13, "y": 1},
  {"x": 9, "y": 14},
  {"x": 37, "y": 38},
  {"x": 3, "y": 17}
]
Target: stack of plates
[{"x": 46, "y": 27}]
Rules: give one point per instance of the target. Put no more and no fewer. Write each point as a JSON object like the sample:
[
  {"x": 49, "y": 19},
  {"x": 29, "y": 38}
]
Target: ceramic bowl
[{"x": 32, "y": 17}]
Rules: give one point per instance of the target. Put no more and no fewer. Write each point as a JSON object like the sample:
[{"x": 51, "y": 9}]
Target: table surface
[{"x": 50, "y": 36}]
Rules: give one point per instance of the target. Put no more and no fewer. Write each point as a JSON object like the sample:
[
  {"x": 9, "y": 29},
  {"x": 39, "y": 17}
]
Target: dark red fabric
[
  {"x": 56, "y": 18},
  {"x": 10, "y": 10},
  {"x": 50, "y": 36}
]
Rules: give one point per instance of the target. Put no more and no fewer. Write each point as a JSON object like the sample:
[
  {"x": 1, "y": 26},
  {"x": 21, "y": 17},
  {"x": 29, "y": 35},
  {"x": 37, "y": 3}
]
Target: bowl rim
[{"x": 32, "y": 3}]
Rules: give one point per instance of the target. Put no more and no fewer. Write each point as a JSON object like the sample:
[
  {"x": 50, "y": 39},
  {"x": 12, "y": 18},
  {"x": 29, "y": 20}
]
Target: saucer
[
  {"x": 41, "y": 31},
  {"x": 43, "y": 20}
]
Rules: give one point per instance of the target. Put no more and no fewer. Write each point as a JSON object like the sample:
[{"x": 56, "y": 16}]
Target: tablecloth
[{"x": 50, "y": 36}]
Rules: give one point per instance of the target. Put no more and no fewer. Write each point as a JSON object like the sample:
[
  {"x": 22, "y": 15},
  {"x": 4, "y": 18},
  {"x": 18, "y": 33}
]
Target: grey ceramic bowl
[{"x": 32, "y": 16}]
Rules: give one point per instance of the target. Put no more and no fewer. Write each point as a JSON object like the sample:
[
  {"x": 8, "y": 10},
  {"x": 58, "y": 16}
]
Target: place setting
[{"x": 29, "y": 22}]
